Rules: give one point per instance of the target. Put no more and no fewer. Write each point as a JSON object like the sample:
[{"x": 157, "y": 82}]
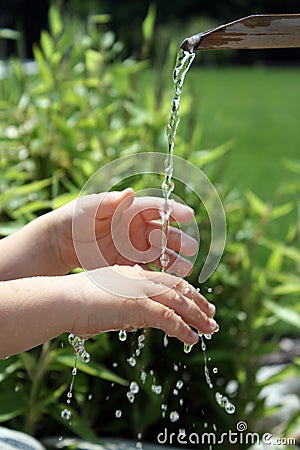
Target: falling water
[
  {"x": 79, "y": 351},
  {"x": 183, "y": 62}
]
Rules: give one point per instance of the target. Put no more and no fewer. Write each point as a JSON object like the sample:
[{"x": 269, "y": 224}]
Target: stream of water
[{"x": 183, "y": 62}]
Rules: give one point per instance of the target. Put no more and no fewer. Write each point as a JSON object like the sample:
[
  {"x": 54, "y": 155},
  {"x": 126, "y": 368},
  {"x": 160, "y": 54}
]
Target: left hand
[{"x": 116, "y": 228}]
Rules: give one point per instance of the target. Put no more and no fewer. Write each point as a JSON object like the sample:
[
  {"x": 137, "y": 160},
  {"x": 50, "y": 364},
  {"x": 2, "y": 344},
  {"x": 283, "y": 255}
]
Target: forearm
[
  {"x": 30, "y": 251},
  {"x": 33, "y": 311}
]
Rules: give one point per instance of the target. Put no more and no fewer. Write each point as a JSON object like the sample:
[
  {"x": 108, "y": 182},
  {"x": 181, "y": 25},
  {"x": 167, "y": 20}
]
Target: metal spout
[{"x": 251, "y": 32}]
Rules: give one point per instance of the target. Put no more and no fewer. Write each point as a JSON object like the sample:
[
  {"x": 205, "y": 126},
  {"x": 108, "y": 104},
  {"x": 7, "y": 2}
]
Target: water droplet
[
  {"x": 85, "y": 357},
  {"x": 130, "y": 396},
  {"x": 218, "y": 397},
  {"x": 118, "y": 413},
  {"x": 122, "y": 335},
  {"x": 141, "y": 339},
  {"x": 139, "y": 445},
  {"x": 137, "y": 352},
  {"x": 187, "y": 348},
  {"x": 230, "y": 408},
  {"x": 143, "y": 376},
  {"x": 174, "y": 416},
  {"x": 69, "y": 394},
  {"x": 66, "y": 414},
  {"x": 115, "y": 364},
  {"x": 74, "y": 371},
  {"x": 175, "y": 367},
  {"x": 181, "y": 402},
  {"x": 157, "y": 389},
  {"x": 90, "y": 396},
  {"x": 166, "y": 340},
  {"x": 134, "y": 387},
  {"x": 179, "y": 384},
  {"x": 207, "y": 336},
  {"x": 203, "y": 345},
  {"x": 224, "y": 401},
  {"x": 175, "y": 391},
  {"x": 209, "y": 290},
  {"x": 215, "y": 370},
  {"x": 131, "y": 361},
  {"x": 164, "y": 407},
  {"x": 72, "y": 339}
]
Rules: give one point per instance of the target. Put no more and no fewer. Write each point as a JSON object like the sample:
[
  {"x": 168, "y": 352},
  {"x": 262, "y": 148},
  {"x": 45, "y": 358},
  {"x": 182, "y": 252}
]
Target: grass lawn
[{"x": 260, "y": 110}]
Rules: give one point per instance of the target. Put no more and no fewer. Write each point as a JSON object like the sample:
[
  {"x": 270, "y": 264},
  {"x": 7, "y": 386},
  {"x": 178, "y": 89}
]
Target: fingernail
[
  {"x": 211, "y": 308},
  {"x": 195, "y": 335},
  {"x": 212, "y": 324}
]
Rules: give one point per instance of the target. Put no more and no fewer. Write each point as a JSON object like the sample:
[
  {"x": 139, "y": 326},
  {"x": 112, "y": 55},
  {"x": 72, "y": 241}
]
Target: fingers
[
  {"x": 184, "y": 300},
  {"x": 177, "y": 240},
  {"x": 161, "y": 317},
  {"x": 109, "y": 202}
]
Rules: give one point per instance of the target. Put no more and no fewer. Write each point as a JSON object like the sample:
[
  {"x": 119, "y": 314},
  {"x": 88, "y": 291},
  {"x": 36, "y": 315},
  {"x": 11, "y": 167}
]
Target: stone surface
[{"x": 15, "y": 440}]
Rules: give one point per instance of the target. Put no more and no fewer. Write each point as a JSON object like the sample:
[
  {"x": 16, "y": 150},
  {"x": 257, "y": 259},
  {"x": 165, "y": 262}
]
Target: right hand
[{"x": 128, "y": 298}]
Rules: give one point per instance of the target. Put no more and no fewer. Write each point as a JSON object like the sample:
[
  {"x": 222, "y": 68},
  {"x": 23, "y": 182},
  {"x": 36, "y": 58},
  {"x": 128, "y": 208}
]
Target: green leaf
[
  {"x": 292, "y": 287},
  {"x": 11, "y": 405},
  {"x": 33, "y": 207},
  {"x": 56, "y": 24},
  {"x": 63, "y": 199},
  {"x": 282, "y": 210},
  {"x": 6, "y": 229},
  {"x": 44, "y": 69},
  {"x": 149, "y": 22},
  {"x": 287, "y": 315},
  {"x": 7, "y": 33},
  {"x": 75, "y": 424},
  {"x": 257, "y": 205},
  {"x": 9, "y": 369},
  {"x": 204, "y": 157},
  {"x": 293, "y": 166},
  {"x": 28, "y": 188},
  {"x": 92, "y": 368},
  {"x": 47, "y": 44}
]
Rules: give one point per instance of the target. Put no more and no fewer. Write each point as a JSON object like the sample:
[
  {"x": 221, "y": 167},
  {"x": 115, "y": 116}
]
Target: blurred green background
[{"x": 99, "y": 90}]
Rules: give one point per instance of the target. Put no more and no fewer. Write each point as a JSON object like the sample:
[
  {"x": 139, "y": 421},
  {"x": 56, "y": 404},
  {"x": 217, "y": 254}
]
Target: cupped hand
[
  {"x": 99, "y": 230},
  {"x": 128, "y": 298}
]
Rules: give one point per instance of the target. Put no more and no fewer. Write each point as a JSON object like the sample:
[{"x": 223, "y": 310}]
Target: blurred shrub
[{"x": 84, "y": 107}]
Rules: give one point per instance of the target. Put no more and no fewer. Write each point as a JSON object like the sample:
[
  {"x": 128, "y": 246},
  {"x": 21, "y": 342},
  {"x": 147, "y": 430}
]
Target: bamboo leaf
[
  {"x": 149, "y": 22},
  {"x": 11, "y": 405},
  {"x": 93, "y": 369},
  {"x": 56, "y": 24},
  {"x": 282, "y": 210},
  {"x": 292, "y": 287},
  {"x": 76, "y": 424},
  {"x": 257, "y": 205},
  {"x": 47, "y": 44},
  {"x": 287, "y": 315}
]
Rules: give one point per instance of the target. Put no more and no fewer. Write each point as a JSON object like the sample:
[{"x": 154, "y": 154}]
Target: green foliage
[{"x": 84, "y": 107}]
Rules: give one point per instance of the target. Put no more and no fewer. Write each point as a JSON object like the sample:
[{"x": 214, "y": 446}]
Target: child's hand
[
  {"x": 37, "y": 309},
  {"x": 123, "y": 297},
  {"x": 116, "y": 228}
]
